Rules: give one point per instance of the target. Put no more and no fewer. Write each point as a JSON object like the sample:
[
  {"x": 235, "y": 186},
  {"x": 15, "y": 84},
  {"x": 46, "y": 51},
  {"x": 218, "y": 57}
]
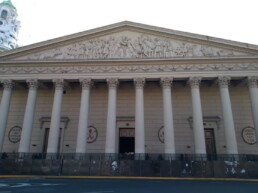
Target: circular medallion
[
  {"x": 161, "y": 134},
  {"x": 92, "y": 134},
  {"x": 14, "y": 134},
  {"x": 248, "y": 134}
]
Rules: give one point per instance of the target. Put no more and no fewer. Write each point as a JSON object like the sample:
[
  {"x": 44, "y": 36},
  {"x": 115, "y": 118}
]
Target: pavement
[{"x": 84, "y": 184}]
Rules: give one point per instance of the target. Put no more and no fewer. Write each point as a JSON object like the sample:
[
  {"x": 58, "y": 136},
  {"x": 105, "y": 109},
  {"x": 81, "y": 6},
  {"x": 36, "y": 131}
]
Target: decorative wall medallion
[
  {"x": 161, "y": 134},
  {"x": 248, "y": 134},
  {"x": 92, "y": 134},
  {"x": 14, "y": 134}
]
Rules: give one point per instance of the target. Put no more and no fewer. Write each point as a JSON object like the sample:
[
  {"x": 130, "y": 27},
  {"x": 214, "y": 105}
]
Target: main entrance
[{"x": 126, "y": 140}]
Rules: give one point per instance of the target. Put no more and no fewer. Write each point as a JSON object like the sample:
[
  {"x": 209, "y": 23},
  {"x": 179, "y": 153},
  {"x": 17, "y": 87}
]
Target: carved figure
[{"x": 122, "y": 46}]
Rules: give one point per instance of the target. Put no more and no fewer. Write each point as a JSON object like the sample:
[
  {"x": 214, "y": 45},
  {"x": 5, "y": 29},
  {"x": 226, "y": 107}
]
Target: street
[{"x": 39, "y": 185}]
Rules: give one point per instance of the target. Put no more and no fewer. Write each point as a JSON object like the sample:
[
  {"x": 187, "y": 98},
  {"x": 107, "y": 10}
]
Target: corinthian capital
[
  {"x": 7, "y": 84},
  {"x": 194, "y": 82},
  {"x": 224, "y": 81},
  {"x": 252, "y": 81},
  {"x": 32, "y": 83},
  {"x": 166, "y": 82},
  {"x": 86, "y": 83},
  {"x": 139, "y": 82},
  {"x": 59, "y": 84},
  {"x": 112, "y": 82}
]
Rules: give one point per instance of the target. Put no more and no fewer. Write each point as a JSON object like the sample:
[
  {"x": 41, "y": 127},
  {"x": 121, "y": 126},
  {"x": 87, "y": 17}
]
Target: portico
[
  {"x": 113, "y": 94},
  {"x": 150, "y": 92}
]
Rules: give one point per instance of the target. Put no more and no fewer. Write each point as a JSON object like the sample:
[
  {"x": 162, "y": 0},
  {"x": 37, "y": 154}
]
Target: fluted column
[
  {"x": 253, "y": 92},
  {"x": 228, "y": 120},
  {"x": 84, "y": 114},
  {"x": 168, "y": 116},
  {"x": 4, "y": 109},
  {"x": 24, "y": 146},
  {"x": 111, "y": 116},
  {"x": 199, "y": 138},
  {"x": 55, "y": 117},
  {"x": 139, "y": 116}
]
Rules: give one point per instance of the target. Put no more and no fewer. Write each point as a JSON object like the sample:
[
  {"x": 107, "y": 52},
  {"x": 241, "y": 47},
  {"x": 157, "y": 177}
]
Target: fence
[{"x": 163, "y": 165}]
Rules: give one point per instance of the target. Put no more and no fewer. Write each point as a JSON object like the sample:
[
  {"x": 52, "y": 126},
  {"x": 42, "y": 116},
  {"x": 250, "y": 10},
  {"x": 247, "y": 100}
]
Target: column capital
[
  {"x": 139, "y": 82},
  {"x": 224, "y": 81},
  {"x": 86, "y": 83},
  {"x": 166, "y": 82},
  {"x": 32, "y": 83},
  {"x": 252, "y": 81},
  {"x": 194, "y": 82},
  {"x": 7, "y": 84},
  {"x": 112, "y": 82},
  {"x": 59, "y": 84}
]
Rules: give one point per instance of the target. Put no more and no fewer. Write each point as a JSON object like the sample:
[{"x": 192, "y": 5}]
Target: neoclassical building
[{"x": 130, "y": 88}]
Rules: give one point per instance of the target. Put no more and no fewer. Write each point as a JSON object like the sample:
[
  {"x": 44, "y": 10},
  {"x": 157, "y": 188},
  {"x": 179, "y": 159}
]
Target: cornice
[{"x": 178, "y": 60}]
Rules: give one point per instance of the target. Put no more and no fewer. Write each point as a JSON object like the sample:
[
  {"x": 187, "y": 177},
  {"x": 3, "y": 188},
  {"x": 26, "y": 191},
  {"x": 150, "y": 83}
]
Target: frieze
[
  {"x": 128, "y": 69},
  {"x": 131, "y": 45}
]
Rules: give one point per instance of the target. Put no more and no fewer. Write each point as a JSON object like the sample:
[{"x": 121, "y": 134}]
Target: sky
[{"x": 228, "y": 19}]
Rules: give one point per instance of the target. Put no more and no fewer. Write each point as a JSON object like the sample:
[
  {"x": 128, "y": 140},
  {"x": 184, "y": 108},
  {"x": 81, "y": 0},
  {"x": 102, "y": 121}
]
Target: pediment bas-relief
[{"x": 129, "y": 44}]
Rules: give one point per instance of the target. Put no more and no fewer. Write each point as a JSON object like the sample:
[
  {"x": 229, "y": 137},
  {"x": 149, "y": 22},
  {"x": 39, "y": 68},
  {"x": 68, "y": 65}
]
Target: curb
[{"x": 129, "y": 178}]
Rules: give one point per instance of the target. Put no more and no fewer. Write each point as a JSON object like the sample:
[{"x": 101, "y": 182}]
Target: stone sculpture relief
[{"x": 124, "y": 46}]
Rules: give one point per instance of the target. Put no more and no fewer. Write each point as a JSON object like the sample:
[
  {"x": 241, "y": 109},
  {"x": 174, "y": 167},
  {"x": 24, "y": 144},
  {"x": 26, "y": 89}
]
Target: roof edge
[{"x": 135, "y": 25}]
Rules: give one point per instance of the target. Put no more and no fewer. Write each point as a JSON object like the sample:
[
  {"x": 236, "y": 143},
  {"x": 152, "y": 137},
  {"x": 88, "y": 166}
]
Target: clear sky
[{"x": 229, "y": 19}]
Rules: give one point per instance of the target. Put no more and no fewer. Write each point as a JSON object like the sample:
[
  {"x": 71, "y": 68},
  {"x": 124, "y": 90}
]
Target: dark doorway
[
  {"x": 126, "y": 140},
  {"x": 210, "y": 143}
]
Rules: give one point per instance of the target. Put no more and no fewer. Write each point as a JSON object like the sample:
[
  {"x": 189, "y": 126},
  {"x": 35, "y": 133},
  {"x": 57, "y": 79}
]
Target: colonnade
[{"x": 113, "y": 83}]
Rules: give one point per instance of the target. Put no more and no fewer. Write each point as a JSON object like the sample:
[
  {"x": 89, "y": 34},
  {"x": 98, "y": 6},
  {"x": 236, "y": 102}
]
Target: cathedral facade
[{"x": 130, "y": 88}]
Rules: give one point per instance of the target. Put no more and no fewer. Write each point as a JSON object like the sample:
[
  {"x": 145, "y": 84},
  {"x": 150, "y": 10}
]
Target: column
[
  {"x": 4, "y": 108},
  {"x": 253, "y": 92},
  {"x": 199, "y": 138},
  {"x": 24, "y": 146},
  {"x": 228, "y": 120},
  {"x": 84, "y": 114},
  {"x": 55, "y": 117},
  {"x": 168, "y": 116},
  {"x": 139, "y": 116},
  {"x": 111, "y": 116}
]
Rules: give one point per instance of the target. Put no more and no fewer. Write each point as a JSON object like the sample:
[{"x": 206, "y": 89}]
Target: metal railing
[
  {"x": 146, "y": 156},
  {"x": 94, "y": 164}
]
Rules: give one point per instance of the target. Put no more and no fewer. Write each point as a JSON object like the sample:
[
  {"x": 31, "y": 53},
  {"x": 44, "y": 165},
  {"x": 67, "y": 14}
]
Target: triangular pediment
[{"x": 127, "y": 40}]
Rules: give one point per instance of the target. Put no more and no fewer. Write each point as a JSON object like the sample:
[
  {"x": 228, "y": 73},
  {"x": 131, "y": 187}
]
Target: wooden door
[{"x": 210, "y": 141}]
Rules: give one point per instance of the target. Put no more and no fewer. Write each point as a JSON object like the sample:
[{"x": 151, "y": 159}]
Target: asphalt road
[{"x": 124, "y": 186}]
